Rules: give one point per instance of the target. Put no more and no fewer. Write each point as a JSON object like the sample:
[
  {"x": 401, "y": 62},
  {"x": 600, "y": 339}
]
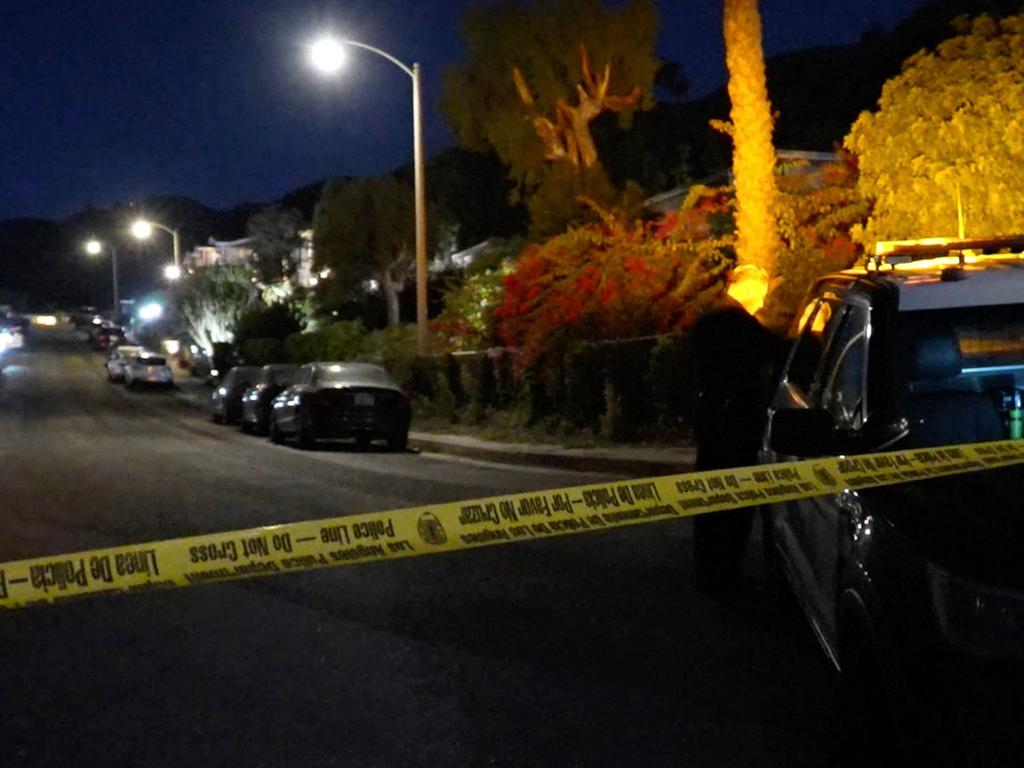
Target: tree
[
  {"x": 211, "y": 301},
  {"x": 539, "y": 74},
  {"x": 951, "y": 122},
  {"x": 753, "y": 163},
  {"x": 363, "y": 230},
  {"x": 275, "y": 235}
]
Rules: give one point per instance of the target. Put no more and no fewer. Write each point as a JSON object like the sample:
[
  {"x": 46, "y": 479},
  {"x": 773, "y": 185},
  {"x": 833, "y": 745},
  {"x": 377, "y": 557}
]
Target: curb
[{"x": 577, "y": 460}]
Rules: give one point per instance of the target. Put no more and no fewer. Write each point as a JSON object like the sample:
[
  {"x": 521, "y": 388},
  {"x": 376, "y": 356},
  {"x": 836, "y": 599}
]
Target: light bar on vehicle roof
[{"x": 894, "y": 251}]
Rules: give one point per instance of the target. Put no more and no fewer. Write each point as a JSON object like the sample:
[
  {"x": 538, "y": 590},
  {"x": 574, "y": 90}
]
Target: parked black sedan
[
  {"x": 226, "y": 400},
  {"x": 257, "y": 400},
  {"x": 342, "y": 400}
]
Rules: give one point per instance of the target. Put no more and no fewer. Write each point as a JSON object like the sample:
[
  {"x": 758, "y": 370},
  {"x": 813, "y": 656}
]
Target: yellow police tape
[{"x": 457, "y": 525}]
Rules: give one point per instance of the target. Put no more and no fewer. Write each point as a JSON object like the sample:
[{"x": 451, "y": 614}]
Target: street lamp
[
  {"x": 95, "y": 248},
  {"x": 172, "y": 272},
  {"x": 328, "y": 55},
  {"x": 142, "y": 229}
]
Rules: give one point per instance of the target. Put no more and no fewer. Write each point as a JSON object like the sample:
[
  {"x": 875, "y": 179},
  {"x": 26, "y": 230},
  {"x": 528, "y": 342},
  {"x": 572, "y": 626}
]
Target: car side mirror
[{"x": 803, "y": 432}]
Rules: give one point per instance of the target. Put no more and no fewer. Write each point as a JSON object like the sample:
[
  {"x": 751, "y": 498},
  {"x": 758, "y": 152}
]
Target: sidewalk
[{"x": 624, "y": 460}]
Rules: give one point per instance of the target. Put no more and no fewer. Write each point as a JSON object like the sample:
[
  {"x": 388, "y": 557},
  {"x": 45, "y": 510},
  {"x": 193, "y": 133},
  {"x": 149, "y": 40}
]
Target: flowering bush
[
  {"x": 616, "y": 280},
  {"x": 608, "y": 280}
]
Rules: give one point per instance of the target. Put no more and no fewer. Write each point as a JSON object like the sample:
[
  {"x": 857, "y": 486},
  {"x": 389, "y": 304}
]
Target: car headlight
[{"x": 983, "y": 620}]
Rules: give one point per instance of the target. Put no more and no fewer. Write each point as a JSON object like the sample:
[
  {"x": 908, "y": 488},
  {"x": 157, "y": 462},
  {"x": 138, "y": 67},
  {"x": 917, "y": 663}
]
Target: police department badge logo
[
  {"x": 431, "y": 530},
  {"x": 825, "y": 477}
]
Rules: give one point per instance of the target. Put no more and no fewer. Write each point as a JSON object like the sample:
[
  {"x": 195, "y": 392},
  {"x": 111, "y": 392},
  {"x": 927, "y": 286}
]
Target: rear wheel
[
  {"x": 245, "y": 427},
  {"x": 130, "y": 384},
  {"x": 363, "y": 442},
  {"x": 399, "y": 440}
]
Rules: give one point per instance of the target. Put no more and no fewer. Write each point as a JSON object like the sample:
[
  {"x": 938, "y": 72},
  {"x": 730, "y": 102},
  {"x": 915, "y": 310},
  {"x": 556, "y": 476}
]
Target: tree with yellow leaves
[
  {"x": 757, "y": 240},
  {"x": 949, "y": 126}
]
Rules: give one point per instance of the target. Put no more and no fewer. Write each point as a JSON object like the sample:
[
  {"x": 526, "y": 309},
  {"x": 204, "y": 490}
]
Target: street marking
[{"x": 458, "y": 525}]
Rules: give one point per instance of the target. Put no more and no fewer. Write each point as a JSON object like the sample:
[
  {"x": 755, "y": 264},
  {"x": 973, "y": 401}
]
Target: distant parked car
[
  {"x": 226, "y": 400},
  {"x": 147, "y": 368},
  {"x": 257, "y": 400},
  {"x": 342, "y": 400},
  {"x": 118, "y": 359},
  {"x": 13, "y": 330},
  {"x": 107, "y": 335}
]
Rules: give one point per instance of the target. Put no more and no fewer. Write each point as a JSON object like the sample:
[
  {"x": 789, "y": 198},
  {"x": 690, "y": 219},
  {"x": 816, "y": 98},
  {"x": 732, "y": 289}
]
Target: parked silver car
[
  {"x": 118, "y": 359},
  {"x": 147, "y": 368}
]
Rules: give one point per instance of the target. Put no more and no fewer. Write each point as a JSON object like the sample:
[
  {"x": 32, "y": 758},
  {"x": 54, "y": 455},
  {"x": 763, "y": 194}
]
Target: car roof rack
[{"x": 892, "y": 252}]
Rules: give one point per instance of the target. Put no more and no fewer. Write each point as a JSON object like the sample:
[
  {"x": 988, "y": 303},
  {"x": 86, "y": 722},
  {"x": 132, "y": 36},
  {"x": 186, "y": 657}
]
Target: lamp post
[
  {"x": 95, "y": 248},
  {"x": 143, "y": 230},
  {"x": 328, "y": 55}
]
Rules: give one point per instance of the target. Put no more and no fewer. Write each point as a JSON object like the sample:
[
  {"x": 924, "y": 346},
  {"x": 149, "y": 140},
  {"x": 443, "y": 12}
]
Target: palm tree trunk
[{"x": 753, "y": 153}]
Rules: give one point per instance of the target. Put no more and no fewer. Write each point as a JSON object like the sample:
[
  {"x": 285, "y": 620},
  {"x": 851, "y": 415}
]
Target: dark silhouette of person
[{"x": 736, "y": 359}]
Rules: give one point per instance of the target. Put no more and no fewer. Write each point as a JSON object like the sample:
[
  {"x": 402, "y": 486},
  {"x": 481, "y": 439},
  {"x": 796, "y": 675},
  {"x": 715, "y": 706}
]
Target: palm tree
[{"x": 753, "y": 161}]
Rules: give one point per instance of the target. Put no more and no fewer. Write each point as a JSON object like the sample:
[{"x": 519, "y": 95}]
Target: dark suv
[{"x": 916, "y": 591}]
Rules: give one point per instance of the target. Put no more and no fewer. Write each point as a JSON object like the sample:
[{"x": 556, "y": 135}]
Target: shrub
[
  {"x": 671, "y": 380},
  {"x": 344, "y": 341},
  {"x": 393, "y": 348},
  {"x": 584, "y": 390},
  {"x": 263, "y": 351},
  {"x": 304, "y": 347},
  {"x": 277, "y": 321},
  {"x": 607, "y": 281}
]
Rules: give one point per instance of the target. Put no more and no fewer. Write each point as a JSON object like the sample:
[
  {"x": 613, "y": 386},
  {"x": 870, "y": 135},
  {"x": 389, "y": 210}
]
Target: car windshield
[
  {"x": 151, "y": 361},
  {"x": 241, "y": 376},
  {"x": 283, "y": 376},
  {"x": 353, "y": 374}
]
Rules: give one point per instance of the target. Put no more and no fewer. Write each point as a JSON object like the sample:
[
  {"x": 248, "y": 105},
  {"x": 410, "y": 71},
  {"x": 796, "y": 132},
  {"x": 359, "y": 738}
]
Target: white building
[{"x": 240, "y": 253}]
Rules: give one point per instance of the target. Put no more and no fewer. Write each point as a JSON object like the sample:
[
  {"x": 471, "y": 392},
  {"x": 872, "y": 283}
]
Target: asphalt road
[{"x": 590, "y": 650}]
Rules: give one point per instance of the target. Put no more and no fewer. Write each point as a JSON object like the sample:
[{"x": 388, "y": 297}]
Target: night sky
[{"x": 106, "y": 102}]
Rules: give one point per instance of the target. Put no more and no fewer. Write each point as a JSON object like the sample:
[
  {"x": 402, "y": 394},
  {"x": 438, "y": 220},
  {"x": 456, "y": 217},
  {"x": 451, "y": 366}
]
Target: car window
[
  {"x": 284, "y": 376},
  {"x": 820, "y": 320},
  {"x": 354, "y": 374},
  {"x": 152, "y": 361},
  {"x": 844, "y": 377}
]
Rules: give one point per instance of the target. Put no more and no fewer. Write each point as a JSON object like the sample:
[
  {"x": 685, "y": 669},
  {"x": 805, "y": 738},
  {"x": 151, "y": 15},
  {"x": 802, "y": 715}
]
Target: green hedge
[{"x": 624, "y": 389}]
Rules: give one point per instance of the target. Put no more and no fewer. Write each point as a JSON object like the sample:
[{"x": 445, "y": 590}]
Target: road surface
[{"x": 589, "y": 650}]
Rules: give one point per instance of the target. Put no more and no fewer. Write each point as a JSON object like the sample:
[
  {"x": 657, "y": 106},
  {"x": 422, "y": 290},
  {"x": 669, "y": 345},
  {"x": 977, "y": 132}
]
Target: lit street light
[
  {"x": 95, "y": 248},
  {"x": 328, "y": 55},
  {"x": 142, "y": 229},
  {"x": 151, "y": 311},
  {"x": 172, "y": 272}
]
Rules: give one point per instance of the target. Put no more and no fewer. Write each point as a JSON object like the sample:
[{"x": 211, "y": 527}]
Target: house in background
[{"x": 240, "y": 253}]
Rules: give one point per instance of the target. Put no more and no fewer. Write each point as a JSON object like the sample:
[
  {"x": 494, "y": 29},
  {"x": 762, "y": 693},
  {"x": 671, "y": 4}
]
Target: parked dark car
[
  {"x": 915, "y": 591},
  {"x": 107, "y": 335},
  {"x": 258, "y": 399},
  {"x": 342, "y": 400},
  {"x": 226, "y": 400}
]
